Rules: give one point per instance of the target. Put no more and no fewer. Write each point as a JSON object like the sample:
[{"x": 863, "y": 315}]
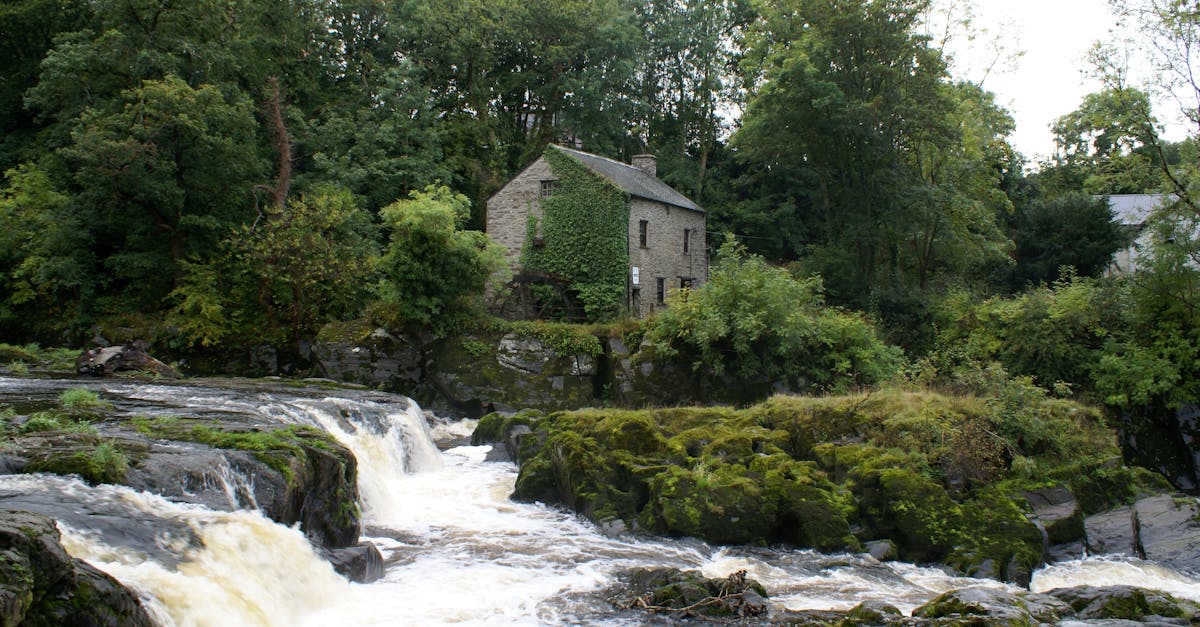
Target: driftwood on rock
[{"x": 105, "y": 361}]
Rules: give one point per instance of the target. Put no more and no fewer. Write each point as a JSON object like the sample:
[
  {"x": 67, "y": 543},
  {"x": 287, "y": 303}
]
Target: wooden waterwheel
[{"x": 538, "y": 296}]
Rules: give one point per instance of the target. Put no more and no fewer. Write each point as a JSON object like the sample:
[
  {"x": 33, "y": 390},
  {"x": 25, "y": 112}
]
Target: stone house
[
  {"x": 665, "y": 240},
  {"x": 1132, "y": 211}
]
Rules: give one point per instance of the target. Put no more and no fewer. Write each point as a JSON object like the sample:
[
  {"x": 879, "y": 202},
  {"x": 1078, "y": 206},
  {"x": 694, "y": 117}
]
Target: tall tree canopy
[{"x": 880, "y": 170}]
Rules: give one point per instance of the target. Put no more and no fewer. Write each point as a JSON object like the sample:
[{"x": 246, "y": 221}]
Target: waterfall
[
  {"x": 231, "y": 568},
  {"x": 457, "y": 549},
  {"x": 388, "y": 443}
]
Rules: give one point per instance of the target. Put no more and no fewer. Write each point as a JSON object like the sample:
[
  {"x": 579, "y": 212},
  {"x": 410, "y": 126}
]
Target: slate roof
[
  {"x": 1133, "y": 209},
  {"x": 634, "y": 181}
]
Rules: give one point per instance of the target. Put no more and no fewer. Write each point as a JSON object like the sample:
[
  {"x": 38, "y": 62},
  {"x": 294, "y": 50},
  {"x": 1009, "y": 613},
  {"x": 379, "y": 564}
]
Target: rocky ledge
[
  {"x": 293, "y": 474},
  {"x": 40, "y": 584}
]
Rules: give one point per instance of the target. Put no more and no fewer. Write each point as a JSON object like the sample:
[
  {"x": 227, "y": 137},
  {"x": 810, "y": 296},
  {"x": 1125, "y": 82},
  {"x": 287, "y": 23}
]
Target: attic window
[{"x": 548, "y": 186}]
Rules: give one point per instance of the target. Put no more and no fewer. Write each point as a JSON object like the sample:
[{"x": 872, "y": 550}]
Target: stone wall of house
[
  {"x": 509, "y": 209},
  {"x": 663, "y": 256}
]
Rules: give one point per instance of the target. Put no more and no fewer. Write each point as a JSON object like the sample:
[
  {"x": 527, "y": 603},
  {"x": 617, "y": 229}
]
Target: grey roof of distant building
[
  {"x": 630, "y": 179},
  {"x": 1133, "y": 209}
]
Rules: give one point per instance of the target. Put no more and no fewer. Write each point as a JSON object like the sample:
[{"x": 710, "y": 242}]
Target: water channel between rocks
[{"x": 457, "y": 550}]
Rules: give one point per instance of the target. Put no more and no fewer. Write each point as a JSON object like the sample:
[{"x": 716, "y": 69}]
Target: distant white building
[{"x": 1133, "y": 211}]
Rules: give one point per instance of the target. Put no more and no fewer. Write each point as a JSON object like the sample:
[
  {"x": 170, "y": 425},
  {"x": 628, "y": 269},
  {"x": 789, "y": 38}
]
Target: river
[{"x": 457, "y": 550}]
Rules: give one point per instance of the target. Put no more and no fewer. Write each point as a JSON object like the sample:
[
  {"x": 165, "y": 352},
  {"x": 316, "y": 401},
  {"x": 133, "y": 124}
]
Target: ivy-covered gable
[{"x": 582, "y": 236}]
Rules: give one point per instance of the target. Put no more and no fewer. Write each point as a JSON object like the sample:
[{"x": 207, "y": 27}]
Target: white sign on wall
[{"x": 635, "y": 275}]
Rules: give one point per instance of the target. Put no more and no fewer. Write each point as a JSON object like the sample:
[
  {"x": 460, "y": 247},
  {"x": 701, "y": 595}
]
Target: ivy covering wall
[{"x": 584, "y": 231}]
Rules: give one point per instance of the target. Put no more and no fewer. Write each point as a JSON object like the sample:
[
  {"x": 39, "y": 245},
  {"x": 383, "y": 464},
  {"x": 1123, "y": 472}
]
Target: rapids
[{"x": 456, "y": 549}]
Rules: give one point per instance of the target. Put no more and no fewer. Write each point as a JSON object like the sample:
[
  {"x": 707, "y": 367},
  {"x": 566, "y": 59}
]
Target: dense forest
[{"x": 234, "y": 171}]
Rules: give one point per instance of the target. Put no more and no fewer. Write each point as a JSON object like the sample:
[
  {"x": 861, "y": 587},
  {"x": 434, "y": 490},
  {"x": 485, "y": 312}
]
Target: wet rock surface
[
  {"x": 361, "y": 563},
  {"x": 1164, "y": 529},
  {"x": 1128, "y": 603},
  {"x": 40, "y": 584}
]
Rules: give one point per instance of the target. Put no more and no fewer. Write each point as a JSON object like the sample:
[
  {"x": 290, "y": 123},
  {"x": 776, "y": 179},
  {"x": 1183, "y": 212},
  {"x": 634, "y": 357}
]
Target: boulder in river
[
  {"x": 1164, "y": 529},
  {"x": 40, "y": 584},
  {"x": 1127, "y": 603},
  {"x": 681, "y": 594},
  {"x": 105, "y": 361},
  {"x": 994, "y": 606}
]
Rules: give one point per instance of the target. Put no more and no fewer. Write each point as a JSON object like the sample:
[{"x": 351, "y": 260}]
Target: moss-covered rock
[
  {"x": 305, "y": 475},
  {"x": 301, "y": 474},
  {"x": 992, "y": 606},
  {"x": 96, "y": 459},
  {"x": 511, "y": 371},
  {"x": 689, "y": 594},
  {"x": 1124, "y": 602},
  {"x": 929, "y": 473}
]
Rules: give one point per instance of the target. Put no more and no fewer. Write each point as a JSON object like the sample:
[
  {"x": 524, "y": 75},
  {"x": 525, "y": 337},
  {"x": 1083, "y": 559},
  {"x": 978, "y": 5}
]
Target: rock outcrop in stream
[
  {"x": 40, "y": 584},
  {"x": 953, "y": 480}
]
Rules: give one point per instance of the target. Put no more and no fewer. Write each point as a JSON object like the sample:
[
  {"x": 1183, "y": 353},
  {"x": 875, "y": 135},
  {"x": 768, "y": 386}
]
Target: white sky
[{"x": 1049, "y": 79}]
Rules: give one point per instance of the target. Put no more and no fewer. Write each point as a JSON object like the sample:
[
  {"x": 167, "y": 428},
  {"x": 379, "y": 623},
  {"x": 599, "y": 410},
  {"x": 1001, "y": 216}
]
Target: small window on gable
[
  {"x": 643, "y": 233},
  {"x": 548, "y": 188},
  {"x": 687, "y": 241},
  {"x": 662, "y": 290}
]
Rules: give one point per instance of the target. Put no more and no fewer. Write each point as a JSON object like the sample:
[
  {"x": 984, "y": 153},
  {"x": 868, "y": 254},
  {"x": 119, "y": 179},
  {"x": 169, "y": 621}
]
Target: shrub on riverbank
[{"x": 755, "y": 322}]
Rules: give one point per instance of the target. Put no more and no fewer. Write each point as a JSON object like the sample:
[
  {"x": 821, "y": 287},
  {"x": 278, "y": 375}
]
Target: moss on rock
[{"x": 928, "y": 472}]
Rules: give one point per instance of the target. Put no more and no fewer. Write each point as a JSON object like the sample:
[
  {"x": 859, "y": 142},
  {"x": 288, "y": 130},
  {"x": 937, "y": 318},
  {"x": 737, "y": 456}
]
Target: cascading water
[{"x": 457, "y": 550}]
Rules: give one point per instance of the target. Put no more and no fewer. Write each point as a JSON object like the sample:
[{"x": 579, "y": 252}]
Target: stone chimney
[{"x": 646, "y": 163}]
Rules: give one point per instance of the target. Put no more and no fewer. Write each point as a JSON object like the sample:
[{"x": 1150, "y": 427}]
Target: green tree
[
  {"x": 1106, "y": 146},
  {"x": 46, "y": 259},
  {"x": 870, "y": 165},
  {"x": 27, "y": 32},
  {"x": 687, "y": 73},
  {"x": 161, "y": 179},
  {"x": 1157, "y": 359},
  {"x": 1074, "y": 231},
  {"x": 512, "y": 76},
  {"x": 380, "y": 146},
  {"x": 282, "y": 277},
  {"x": 433, "y": 272}
]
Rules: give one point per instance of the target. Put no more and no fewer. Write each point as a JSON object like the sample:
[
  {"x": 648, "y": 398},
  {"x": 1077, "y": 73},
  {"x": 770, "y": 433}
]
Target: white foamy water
[
  {"x": 457, "y": 549},
  {"x": 244, "y": 569},
  {"x": 1105, "y": 571}
]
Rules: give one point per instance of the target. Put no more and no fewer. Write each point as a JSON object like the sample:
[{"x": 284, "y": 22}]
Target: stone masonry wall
[
  {"x": 663, "y": 256},
  {"x": 508, "y": 210}
]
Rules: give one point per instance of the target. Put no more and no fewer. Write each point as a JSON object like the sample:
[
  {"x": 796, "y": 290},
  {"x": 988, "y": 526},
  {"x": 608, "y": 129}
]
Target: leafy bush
[
  {"x": 434, "y": 273},
  {"x": 1052, "y": 333},
  {"x": 754, "y": 321},
  {"x": 1157, "y": 358}
]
